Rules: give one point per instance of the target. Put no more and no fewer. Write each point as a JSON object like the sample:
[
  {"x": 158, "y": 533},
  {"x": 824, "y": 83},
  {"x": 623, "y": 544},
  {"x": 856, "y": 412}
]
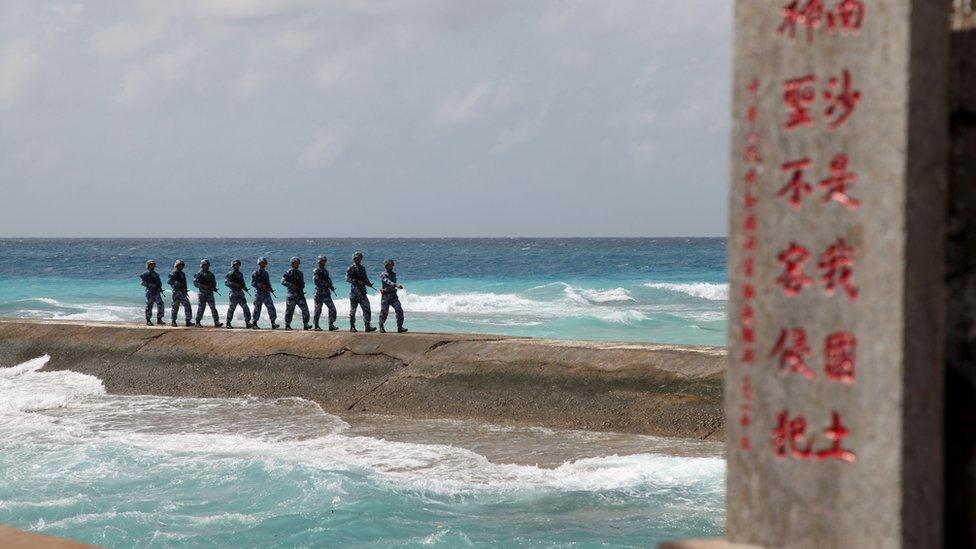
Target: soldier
[
  {"x": 388, "y": 297},
  {"x": 357, "y": 279},
  {"x": 207, "y": 285},
  {"x": 154, "y": 293},
  {"x": 262, "y": 294},
  {"x": 235, "y": 281},
  {"x": 177, "y": 281},
  {"x": 323, "y": 287},
  {"x": 294, "y": 280}
]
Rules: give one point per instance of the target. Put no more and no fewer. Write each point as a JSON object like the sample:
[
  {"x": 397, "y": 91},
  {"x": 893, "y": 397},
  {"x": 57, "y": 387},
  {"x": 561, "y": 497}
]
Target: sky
[{"x": 364, "y": 118}]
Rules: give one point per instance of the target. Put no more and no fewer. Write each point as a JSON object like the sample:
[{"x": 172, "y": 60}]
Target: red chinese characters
[
  {"x": 797, "y": 187},
  {"x": 840, "y": 97},
  {"x": 792, "y": 351},
  {"x": 798, "y": 97},
  {"x": 836, "y": 265},
  {"x": 843, "y": 16},
  {"x": 789, "y": 438},
  {"x": 793, "y": 280},
  {"x": 752, "y": 158},
  {"x": 840, "y": 350},
  {"x": 835, "y": 186}
]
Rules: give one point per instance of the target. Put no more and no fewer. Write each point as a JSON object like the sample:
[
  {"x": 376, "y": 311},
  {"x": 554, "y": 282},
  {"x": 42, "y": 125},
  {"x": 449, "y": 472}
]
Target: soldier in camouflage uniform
[
  {"x": 294, "y": 280},
  {"x": 261, "y": 283},
  {"x": 235, "y": 281},
  {"x": 388, "y": 297},
  {"x": 154, "y": 292},
  {"x": 177, "y": 281},
  {"x": 358, "y": 281},
  {"x": 323, "y": 287},
  {"x": 206, "y": 283}
]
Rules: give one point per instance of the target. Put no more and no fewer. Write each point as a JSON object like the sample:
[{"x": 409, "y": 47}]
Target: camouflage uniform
[
  {"x": 206, "y": 282},
  {"x": 389, "y": 299},
  {"x": 294, "y": 280},
  {"x": 235, "y": 281},
  {"x": 261, "y": 283},
  {"x": 154, "y": 295},
  {"x": 357, "y": 279},
  {"x": 177, "y": 281},
  {"x": 323, "y": 295}
]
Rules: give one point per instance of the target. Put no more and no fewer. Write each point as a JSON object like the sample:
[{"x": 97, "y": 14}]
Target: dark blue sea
[{"x": 664, "y": 290}]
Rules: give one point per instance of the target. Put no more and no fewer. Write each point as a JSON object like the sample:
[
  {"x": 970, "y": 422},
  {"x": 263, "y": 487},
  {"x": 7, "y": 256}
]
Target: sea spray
[{"x": 142, "y": 470}]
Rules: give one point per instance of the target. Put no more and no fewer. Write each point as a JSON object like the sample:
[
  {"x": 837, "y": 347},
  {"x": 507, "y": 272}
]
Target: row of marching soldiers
[{"x": 293, "y": 280}]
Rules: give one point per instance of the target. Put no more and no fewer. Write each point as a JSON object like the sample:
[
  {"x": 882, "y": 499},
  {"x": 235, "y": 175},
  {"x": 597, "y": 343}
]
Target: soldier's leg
[
  {"x": 213, "y": 309},
  {"x": 187, "y": 311},
  {"x": 160, "y": 308},
  {"x": 289, "y": 311},
  {"x": 174, "y": 307},
  {"x": 149, "y": 304},
  {"x": 364, "y": 303},
  {"x": 303, "y": 305},
  {"x": 398, "y": 309},
  {"x": 257, "y": 309},
  {"x": 201, "y": 305},
  {"x": 353, "y": 303},
  {"x": 332, "y": 309},
  {"x": 231, "y": 307},
  {"x": 317, "y": 300},
  {"x": 384, "y": 310},
  {"x": 272, "y": 312},
  {"x": 247, "y": 311}
]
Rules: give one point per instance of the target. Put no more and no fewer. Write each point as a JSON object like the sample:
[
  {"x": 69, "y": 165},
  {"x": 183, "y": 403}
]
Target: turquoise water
[
  {"x": 651, "y": 290},
  {"x": 142, "y": 471},
  {"x": 160, "y": 472}
]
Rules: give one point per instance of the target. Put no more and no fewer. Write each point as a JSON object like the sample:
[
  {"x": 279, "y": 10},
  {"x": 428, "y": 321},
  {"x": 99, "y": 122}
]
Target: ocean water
[
  {"x": 664, "y": 290},
  {"x": 143, "y": 471}
]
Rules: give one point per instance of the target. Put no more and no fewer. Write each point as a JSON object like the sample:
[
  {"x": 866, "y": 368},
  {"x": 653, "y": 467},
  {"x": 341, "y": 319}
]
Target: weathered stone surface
[
  {"x": 12, "y": 538},
  {"x": 896, "y": 142},
  {"x": 652, "y": 389}
]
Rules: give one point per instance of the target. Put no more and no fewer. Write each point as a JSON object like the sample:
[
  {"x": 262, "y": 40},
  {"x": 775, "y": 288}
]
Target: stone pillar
[{"x": 834, "y": 391}]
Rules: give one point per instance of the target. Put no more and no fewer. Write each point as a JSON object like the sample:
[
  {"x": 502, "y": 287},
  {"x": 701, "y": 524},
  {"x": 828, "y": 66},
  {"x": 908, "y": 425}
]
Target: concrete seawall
[{"x": 652, "y": 389}]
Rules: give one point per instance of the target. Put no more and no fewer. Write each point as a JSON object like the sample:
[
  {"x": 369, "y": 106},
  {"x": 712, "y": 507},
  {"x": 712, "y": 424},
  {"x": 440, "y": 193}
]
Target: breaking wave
[{"x": 702, "y": 290}]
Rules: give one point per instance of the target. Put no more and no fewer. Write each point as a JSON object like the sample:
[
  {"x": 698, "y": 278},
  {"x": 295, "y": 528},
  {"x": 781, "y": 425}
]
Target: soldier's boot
[
  {"x": 382, "y": 329},
  {"x": 173, "y": 323},
  {"x": 228, "y": 326},
  {"x": 197, "y": 324},
  {"x": 149, "y": 322},
  {"x": 188, "y": 324},
  {"x": 218, "y": 324},
  {"x": 317, "y": 327},
  {"x": 333, "y": 328},
  {"x": 308, "y": 327},
  {"x": 287, "y": 327},
  {"x": 370, "y": 328},
  {"x": 402, "y": 330},
  {"x": 160, "y": 322},
  {"x": 254, "y": 326},
  {"x": 275, "y": 326},
  {"x": 247, "y": 325},
  {"x": 352, "y": 328}
]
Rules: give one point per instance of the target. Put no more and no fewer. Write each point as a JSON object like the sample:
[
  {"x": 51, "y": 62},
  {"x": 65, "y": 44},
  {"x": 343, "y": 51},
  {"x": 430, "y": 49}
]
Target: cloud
[
  {"x": 461, "y": 108},
  {"x": 244, "y": 10},
  {"x": 157, "y": 74},
  {"x": 18, "y": 65},
  {"x": 124, "y": 39},
  {"x": 323, "y": 150},
  {"x": 248, "y": 85}
]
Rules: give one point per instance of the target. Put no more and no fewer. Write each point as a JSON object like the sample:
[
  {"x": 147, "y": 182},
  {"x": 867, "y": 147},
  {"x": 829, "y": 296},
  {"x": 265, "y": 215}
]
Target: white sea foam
[
  {"x": 238, "y": 431},
  {"x": 703, "y": 290}
]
